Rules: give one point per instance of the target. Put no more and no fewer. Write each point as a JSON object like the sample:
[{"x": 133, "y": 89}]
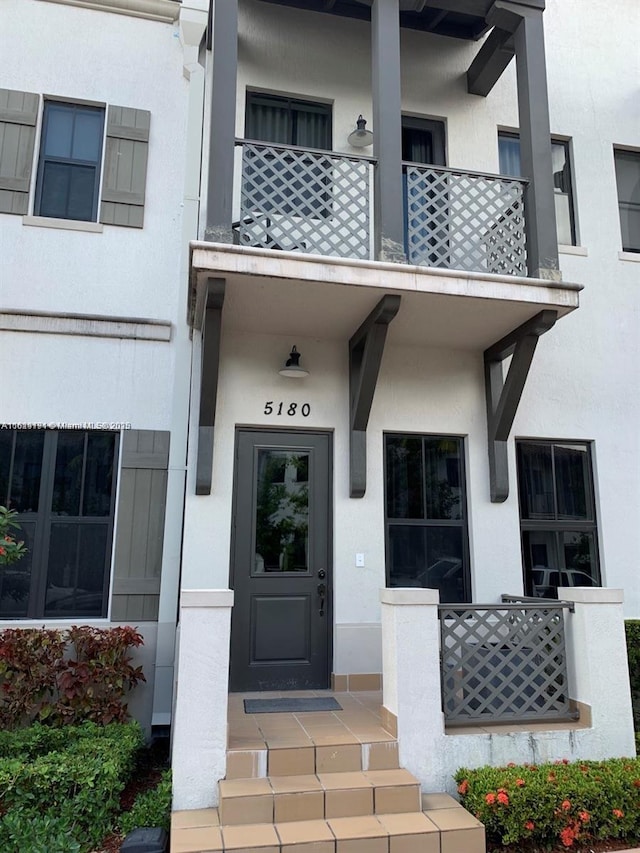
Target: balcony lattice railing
[
  {"x": 504, "y": 662},
  {"x": 304, "y": 200},
  {"x": 464, "y": 220}
]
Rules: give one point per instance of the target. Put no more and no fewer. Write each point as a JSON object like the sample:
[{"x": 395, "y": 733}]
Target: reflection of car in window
[{"x": 545, "y": 581}]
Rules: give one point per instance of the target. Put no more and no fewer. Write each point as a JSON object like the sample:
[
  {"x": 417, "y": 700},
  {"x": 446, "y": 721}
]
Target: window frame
[
  {"x": 43, "y": 159},
  {"x": 462, "y": 523},
  {"x": 44, "y": 518},
  {"x": 631, "y": 205},
  {"x": 567, "y": 175},
  {"x": 557, "y": 526}
]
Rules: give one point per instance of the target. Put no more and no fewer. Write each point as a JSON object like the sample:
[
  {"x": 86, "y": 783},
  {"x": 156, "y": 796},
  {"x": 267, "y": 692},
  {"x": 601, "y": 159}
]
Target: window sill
[
  {"x": 634, "y": 257},
  {"x": 581, "y": 251},
  {"x": 64, "y": 224}
]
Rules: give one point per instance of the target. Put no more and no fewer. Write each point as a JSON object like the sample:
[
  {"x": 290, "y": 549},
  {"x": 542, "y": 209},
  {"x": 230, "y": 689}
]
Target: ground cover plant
[
  {"x": 60, "y": 788},
  {"x": 550, "y": 806}
]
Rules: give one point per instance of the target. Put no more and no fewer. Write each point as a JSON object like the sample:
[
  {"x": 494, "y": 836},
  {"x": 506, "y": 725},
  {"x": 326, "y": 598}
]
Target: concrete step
[{"x": 283, "y": 799}]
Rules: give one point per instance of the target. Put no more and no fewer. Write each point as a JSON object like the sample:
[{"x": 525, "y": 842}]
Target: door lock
[
  {"x": 322, "y": 574},
  {"x": 322, "y": 592}
]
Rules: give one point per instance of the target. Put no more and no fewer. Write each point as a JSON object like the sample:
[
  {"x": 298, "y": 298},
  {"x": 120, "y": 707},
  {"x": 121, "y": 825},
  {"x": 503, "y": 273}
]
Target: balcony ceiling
[
  {"x": 463, "y": 19},
  {"x": 285, "y": 293}
]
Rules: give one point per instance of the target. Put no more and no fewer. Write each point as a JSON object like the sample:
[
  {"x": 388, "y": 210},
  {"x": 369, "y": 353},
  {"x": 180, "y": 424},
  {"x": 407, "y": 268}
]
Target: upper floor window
[
  {"x": 557, "y": 516},
  {"x": 78, "y": 176},
  {"x": 288, "y": 121},
  {"x": 509, "y": 154},
  {"x": 62, "y": 484},
  {"x": 70, "y": 156},
  {"x": 628, "y": 183},
  {"x": 426, "y": 514}
]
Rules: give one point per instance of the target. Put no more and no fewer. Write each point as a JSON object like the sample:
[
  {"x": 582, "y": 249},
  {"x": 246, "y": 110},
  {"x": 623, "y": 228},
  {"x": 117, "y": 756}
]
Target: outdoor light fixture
[
  {"x": 292, "y": 367},
  {"x": 360, "y": 137}
]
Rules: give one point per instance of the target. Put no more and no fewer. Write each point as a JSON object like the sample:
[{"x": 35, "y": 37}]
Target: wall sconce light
[
  {"x": 360, "y": 137},
  {"x": 292, "y": 367}
]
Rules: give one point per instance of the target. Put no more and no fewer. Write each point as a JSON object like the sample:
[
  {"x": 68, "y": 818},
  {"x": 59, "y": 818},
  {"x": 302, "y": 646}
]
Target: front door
[{"x": 280, "y": 566}]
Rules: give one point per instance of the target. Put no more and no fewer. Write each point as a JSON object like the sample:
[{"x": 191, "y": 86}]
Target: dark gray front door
[{"x": 280, "y": 571}]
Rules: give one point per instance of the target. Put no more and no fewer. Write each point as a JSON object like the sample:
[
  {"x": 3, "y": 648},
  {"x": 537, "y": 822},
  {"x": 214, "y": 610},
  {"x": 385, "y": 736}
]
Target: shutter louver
[
  {"x": 125, "y": 167},
  {"x": 18, "y": 117}
]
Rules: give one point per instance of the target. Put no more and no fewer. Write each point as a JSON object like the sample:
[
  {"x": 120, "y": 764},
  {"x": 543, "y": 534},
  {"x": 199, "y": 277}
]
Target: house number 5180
[{"x": 291, "y": 409}]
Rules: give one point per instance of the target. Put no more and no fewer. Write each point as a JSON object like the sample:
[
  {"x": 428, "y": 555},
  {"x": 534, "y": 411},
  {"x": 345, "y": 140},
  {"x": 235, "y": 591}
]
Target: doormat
[{"x": 295, "y": 706}]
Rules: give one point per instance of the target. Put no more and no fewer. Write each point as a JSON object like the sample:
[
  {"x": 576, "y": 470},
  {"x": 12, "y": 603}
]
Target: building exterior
[{"x": 460, "y": 292}]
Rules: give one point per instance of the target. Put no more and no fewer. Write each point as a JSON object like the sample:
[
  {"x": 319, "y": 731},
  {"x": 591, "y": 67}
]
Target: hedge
[{"x": 632, "y": 629}]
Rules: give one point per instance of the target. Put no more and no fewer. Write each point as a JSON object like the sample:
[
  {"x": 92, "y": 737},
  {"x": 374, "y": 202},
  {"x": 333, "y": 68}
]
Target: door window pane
[{"x": 282, "y": 512}]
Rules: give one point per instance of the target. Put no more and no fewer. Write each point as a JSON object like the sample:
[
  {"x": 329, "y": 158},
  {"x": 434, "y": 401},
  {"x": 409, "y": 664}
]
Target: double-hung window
[
  {"x": 628, "y": 183},
  {"x": 557, "y": 516},
  {"x": 70, "y": 156},
  {"x": 62, "y": 484},
  {"x": 426, "y": 514},
  {"x": 509, "y": 155}
]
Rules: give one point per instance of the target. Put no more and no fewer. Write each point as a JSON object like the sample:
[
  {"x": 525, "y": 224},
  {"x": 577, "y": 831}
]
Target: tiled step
[
  {"x": 319, "y": 796},
  {"x": 325, "y": 757},
  {"x": 413, "y": 832}
]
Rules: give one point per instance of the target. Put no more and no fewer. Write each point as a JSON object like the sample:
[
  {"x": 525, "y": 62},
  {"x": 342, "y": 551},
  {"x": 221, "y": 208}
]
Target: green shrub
[
  {"x": 22, "y": 833},
  {"x": 632, "y": 629},
  {"x": 78, "y": 784},
  {"x": 551, "y": 803},
  {"x": 66, "y": 676},
  {"x": 151, "y": 808}
]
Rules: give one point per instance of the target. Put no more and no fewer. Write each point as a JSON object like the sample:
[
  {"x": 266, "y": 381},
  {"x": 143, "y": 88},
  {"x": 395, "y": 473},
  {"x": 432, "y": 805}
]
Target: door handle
[
  {"x": 322, "y": 592},
  {"x": 322, "y": 574}
]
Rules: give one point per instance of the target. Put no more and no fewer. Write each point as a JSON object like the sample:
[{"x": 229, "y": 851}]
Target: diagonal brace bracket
[
  {"x": 503, "y": 393},
  {"x": 365, "y": 356},
  {"x": 213, "y": 299}
]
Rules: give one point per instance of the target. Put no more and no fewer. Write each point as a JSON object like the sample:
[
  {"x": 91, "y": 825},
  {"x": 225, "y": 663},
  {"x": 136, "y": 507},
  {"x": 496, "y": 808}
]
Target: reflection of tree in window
[{"x": 282, "y": 511}]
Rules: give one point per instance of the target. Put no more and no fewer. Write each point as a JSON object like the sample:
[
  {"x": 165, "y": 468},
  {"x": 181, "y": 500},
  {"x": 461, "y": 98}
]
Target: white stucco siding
[{"x": 103, "y": 58}]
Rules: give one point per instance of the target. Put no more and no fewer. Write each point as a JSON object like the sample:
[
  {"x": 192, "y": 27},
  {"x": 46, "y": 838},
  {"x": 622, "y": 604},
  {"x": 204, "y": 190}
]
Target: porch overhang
[{"x": 274, "y": 292}]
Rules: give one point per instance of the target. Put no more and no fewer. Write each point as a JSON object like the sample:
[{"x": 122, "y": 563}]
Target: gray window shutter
[
  {"x": 18, "y": 117},
  {"x": 140, "y": 525},
  {"x": 125, "y": 167}
]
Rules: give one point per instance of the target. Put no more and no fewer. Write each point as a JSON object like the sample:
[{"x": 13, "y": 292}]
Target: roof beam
[
  {"x": 492, "y": 59},
  {"x": 365, "y": 357},
  {"x": 503, "y": 393}
]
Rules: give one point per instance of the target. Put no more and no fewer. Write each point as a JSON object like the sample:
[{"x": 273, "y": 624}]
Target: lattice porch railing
[
  {"x": 504, "y": 662},
  {"x": 307, "y": 201},
  {"x": 465, "y": 220}
]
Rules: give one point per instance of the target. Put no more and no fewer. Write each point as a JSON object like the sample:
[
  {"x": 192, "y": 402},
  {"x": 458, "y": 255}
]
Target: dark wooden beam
[
  {"x": 365, "y": 357},
  {"x": 503, "y": 394},
  {"x": 212, "y": 324},
  {"x": 492, "y": 59}
]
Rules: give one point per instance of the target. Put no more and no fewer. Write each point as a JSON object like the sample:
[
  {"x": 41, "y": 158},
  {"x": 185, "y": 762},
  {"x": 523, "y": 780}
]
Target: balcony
[{"x": 321, "y": 203}]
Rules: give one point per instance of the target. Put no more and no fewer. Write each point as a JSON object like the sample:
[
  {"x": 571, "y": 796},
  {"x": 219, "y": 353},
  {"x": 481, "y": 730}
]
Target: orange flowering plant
[
  {"x": 559, "y": 804},
  {"x": 10, "y": 549}
]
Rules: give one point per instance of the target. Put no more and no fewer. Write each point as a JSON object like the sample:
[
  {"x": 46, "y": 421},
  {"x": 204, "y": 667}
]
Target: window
[
  {"x": 423, "y": 141},
  {"x": 62, "y": 483},
  {"x": 426, "y": 515},
  {"x": 557, "y": 516},
  {"x": 69, "y": 168},
  {"x": 509, "y": 154},
  {"x": 73, "y": 160},
  {"x": 628, "y": 182},
  {"x": 288, "y": 121}
]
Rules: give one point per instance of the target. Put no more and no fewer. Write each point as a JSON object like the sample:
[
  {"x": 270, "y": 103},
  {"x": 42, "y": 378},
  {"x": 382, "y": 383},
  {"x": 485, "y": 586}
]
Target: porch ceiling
[{"x": 284, "y": 293}]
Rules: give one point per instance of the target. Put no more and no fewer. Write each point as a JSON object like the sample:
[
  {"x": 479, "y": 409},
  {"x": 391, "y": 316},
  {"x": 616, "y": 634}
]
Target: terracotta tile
[
  {"x": 339, "y": 683},
  {"x": 338, "y": 758},
  {"x": 396, "y": 798},
  {"x": 243, "y": 788},
  {"x": 381, "y": 756},
  {"x": 450, "y": 819},
  {"x": 292, "y": 762},
  {"x": 439, "y": 801},
  {"x": 195, "y": 817},
  {"x": 359, "y": 835},
  {"x": 469, "y": 840},
  {"x": 368, "y": 681},
  {"x": 196, "y": 840},
  {"x": 328, "y": 737},
  {"x": 242, "y": 810},
  {"x": 246, "y": 764},
  {"x": 302, "y": 805},
  {"x": 304, "y": 832},
  {"x": 391, "y": 777},
  {"x": 294, "y": 784},
  {"x": 411, "y": 833},
  {"x": 341, "y": 781},
  {"x": 348, "y": 802},
  {"x": 245, "y": 743},
  {"x": 258, "y": 836}
]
